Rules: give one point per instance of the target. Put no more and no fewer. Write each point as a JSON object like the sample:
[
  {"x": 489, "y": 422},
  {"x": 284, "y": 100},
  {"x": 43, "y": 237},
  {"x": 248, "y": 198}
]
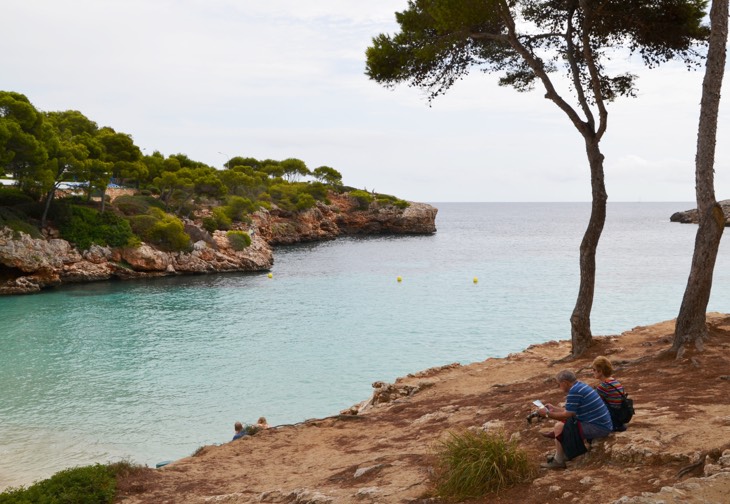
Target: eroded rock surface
[{"x": 691, "y": 217}]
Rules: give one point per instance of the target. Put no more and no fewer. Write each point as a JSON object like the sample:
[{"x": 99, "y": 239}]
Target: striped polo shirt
[
  {"x": 610, "y": 394},
  {"x": 588, "y": 406}
]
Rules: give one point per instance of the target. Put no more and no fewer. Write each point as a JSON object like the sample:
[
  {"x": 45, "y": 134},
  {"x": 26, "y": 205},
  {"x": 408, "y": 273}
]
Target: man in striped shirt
[{"x": 586, "y": 405}]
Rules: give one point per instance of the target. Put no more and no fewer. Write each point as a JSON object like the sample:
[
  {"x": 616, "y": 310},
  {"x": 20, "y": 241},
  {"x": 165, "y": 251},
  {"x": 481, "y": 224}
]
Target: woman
[{"x": 609, "y": 388}]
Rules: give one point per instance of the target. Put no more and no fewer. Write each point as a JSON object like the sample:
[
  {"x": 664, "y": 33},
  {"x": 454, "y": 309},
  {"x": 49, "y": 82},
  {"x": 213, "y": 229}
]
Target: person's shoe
[
  {"x": 549, "y": 434},
  {"x": 553, "y": 464}
]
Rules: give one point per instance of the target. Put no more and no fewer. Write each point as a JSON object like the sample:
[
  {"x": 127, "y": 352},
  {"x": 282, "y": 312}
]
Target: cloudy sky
[{"x": 285, "y": 78}]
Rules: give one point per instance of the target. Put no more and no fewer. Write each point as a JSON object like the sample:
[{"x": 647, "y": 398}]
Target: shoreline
[{"x": 390, "y": 440}]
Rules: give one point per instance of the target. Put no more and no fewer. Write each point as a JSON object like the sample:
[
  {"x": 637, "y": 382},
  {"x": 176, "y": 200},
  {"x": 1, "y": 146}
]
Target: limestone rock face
[
  {"x": 343, "y": 217},
  {"x": 28, "y": 264},
  {"x": 691, "y": 217}
]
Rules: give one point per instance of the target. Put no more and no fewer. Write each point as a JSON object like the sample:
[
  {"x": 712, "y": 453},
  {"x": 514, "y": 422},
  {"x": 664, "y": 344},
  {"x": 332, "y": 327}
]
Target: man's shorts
[{"x": 593, "y": 431}]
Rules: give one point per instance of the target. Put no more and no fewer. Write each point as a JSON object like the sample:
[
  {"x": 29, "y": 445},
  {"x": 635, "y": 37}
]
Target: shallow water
[{"x": 151, "y": 370}]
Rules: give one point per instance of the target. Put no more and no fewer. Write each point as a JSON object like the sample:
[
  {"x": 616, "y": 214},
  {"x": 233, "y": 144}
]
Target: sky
[{"x": 277, "y": 79}]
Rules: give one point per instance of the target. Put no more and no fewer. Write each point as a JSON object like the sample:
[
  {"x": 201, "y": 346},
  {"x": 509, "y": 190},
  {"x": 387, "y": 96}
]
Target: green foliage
[
  {"x": 327, "y": 175},
  {"x": 237, "y": 207},
  {"x": 163, "y": 230},
  {"x": 305, "y": 201},
  {"x": 239, "y": 240},
  {"x": 11, "y": 196},
  {"x": 251, "y": 429},
  {"x": 221, "y": 218},
  {"x": 85, "y": 226},
  {"x": 439, "y": 42},
  {"x": 210, "y": 224},
  {"x": 137, "y": 205},
  {"x": 386, "y": 199},
  {"x": 18, "y": 222},
  {"x": 470, "y": 465},
  {"x": 81, "y": 485},
  {"x": 362, "y": 198}
]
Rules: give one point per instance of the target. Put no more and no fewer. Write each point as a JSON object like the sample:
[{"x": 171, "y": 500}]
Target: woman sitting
[{"x": 610, "y": 389}]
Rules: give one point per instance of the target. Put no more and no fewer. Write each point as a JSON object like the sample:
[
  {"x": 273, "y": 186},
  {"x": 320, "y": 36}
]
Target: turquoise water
[{"x": 151, "y": 370}]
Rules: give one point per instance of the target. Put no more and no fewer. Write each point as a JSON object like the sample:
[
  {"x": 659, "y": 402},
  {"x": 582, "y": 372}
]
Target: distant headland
[{"x": 29, "y": 264}]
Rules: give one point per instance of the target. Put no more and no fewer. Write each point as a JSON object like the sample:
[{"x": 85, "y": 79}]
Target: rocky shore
[
  {"x": 691, "y": 217},
  {"x": 28, "y": 265},
  {"x": 676, "y": 449}
]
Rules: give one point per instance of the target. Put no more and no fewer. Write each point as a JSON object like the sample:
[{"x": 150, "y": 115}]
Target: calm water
[{"x": 151, "y": 370}]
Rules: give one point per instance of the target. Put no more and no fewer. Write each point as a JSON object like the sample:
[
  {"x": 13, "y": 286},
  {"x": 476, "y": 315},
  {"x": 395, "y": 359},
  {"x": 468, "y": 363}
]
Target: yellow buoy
[
  {"x": 400, "y": 279},
  {"x": 476, "y": 280},
  {"x": 270, "y": 275}
]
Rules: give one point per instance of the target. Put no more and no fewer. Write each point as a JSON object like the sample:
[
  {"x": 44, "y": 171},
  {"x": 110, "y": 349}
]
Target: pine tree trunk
[
  {"x": 691, "y": 324},
  {"x": 580, "y": 320}
]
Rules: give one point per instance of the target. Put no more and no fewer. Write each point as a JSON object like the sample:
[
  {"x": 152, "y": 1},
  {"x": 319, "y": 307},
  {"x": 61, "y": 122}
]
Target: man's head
[
  {"x": 565, "y": 379},
  {"x": 238, "y": 426}
]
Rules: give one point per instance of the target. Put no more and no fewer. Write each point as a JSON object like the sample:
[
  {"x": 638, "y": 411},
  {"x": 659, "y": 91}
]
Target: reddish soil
[{"x": 385, "y": 454}]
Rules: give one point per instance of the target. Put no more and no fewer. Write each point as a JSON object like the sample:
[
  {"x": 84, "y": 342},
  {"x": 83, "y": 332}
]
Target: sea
[{"x": 151, "y": 370}]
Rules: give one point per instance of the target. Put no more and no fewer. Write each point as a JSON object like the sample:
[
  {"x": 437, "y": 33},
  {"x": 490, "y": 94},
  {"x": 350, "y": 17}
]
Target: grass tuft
[{"x": 473, "y": 464}]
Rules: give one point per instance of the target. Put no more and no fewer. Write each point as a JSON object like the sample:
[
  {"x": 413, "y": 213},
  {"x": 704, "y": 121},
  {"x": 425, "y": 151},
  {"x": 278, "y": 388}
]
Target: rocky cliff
[
  {"x": 28, "y": 265},
  {"x": 691, "y": 217},
  {"x": 343, "y": 217}
]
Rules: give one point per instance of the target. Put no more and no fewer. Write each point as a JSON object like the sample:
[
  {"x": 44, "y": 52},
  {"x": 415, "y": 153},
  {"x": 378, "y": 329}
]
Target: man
[
  {"x": 583, "y": 403},
  {"x": 238, "y": 427}
]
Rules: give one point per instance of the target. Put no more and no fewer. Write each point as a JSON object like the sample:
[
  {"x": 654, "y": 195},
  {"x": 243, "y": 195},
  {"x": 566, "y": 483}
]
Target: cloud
[{"x": 285, "y": 78}]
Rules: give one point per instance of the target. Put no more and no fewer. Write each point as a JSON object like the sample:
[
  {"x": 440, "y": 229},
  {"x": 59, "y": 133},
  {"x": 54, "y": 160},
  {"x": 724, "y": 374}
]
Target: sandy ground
[{"x": 385, "y": 454}]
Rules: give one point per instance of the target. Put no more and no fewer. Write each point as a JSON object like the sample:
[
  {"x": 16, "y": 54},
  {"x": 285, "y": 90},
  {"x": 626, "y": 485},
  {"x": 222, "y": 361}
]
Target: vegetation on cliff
[{"x": 52, "y": 154}]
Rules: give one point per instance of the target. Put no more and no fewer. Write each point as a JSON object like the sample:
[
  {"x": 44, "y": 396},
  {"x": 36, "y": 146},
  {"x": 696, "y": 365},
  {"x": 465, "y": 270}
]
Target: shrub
[
  {"x": 17, "y": 221},
  {"x": 221, "y": 218},
  {"x": 473, "y": 464},
  {"x": 305, "y": 201},
  {"x": 165, "y": 231},
  {"x": 210, "y": 224},
  {"x": 362, "y": 198},
  {"x": 386, "y": 199},
  {"x": 85, "y": 226},
  {"x": 238, "y": 207},
  {"x": 238, "y": 240},
  {"x": 11, "y": 196},
  {"x": 137, "y": 205},
  {"x": 81, "y": 485},
  {"x": 250, "y": 430}
]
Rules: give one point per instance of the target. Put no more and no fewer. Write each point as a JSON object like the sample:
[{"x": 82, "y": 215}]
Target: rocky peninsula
[
  {"x": 28, "y": 265},
  {"x": 676, "y": 448},
  {"x": 691, "y": 217}
]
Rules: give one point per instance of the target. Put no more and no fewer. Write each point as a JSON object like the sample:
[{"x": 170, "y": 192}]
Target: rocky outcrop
[
  {"x": 691, "y": 217},
  {"x": 28, "y": 264},
  {"x": 343, "y": 217}
]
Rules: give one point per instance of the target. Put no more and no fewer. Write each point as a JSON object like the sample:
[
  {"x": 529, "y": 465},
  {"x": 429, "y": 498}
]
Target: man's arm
[{"x": 555, "y": 412}]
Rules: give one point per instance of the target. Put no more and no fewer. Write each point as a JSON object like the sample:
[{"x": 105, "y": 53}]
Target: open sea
[{"x": 151, "y": 370}]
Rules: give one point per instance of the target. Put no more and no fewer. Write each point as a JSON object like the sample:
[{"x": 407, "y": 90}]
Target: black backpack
[{"x": 625, "y": 412}]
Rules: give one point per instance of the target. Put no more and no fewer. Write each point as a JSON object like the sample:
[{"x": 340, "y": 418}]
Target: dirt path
[{"x": 383, "y": 455}]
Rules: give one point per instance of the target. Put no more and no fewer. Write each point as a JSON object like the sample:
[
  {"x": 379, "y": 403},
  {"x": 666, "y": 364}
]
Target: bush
[
  {"x": 305, "y": 201},
  {"x": 137, "y": 205},
  {"x": 386, "y": 199},
  {"x": 18, "y": 222},
  {"x": 11, "y": 196},
  {"x": 81, "y": 485},
  {"x": 238, "y": 207},
  {"x": 210, "y": 224},
  {"x": 362, "y": 198},
  {"x": 163, "y": 230},
  {"x": 85, "y": 226},
  {"x": 473, "y": 464},
  {"x": 221, "y": 218},
  {"x": 238, "y": 240}
]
